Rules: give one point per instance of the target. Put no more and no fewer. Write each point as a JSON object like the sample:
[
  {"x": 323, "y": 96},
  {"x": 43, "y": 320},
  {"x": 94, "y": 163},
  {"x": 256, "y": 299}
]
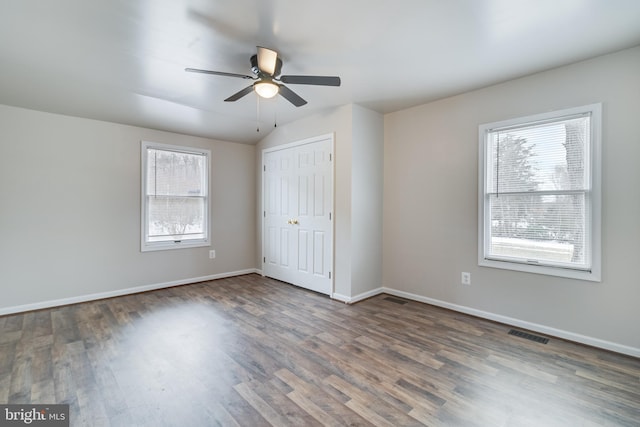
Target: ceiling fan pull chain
[{"x": 257, "y": 114}]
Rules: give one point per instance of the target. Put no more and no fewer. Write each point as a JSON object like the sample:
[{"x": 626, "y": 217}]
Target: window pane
[
  {"x": 539, "y": 157},
  {"x": 539, "y": 227},
  {"x": 171, "y": 173},
  {"x": 176, "y": 218}
]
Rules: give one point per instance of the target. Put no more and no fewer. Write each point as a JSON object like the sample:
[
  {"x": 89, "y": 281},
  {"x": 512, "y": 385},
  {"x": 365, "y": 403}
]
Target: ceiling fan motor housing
[{"x": 256, "y": 70}]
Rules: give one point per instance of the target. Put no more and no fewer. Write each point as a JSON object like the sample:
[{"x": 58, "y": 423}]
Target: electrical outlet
[
  {"x": 465, "y": 278},
  {"x": 212, "y": 254}
]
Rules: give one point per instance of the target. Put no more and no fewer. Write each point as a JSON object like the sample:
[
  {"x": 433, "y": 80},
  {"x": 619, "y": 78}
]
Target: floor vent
[
  {"x": 396, "y": 300},
  {"x": 531, "y": 337}
]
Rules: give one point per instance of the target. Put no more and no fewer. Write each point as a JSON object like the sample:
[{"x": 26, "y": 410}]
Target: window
[
  {"x": 540, "y": 194},
  {"x": 175, "y": 199}
]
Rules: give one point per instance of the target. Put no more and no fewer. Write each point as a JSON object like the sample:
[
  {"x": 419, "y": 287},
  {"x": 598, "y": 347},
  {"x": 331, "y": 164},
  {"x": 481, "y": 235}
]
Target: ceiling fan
[{"x": 266, "y": 67}]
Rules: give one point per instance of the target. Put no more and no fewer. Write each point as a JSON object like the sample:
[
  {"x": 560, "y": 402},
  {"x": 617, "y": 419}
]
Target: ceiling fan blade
[
  {"x": 291, "y": 96},
  {"x": 311, "y": 80},
  {"x": 218, "y": 73},
  {"x": 247, "y": 90},
  {"x": 267, "y": 60}
]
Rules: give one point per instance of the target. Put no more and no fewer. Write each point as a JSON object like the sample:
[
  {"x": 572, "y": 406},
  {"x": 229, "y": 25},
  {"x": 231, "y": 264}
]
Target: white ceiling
[{"x": 124, "y": 60}]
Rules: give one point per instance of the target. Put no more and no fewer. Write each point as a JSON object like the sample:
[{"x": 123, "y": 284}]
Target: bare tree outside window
[{"x": 574, "y": 145}]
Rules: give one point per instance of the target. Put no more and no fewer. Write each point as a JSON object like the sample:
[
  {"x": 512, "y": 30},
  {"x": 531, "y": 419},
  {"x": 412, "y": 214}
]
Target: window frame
[
  {"x": 593, "y": 195},
  {"x": 145, "y": 244}
]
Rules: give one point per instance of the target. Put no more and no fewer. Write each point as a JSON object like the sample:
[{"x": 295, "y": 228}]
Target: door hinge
[
  {"x": 264, "y": 168},
  {"x": 264, "y": 214},
  {"x": 330, "y": 156},
  {"x": 264, "y": 259},
  {"x": 329, "y": 275},
  {"x": 329, "y": 216}
]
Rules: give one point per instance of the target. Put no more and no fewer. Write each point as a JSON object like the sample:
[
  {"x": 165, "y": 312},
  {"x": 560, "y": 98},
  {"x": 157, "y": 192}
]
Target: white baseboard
[
  {"x": 356, "y": 298},
  {"x": 570, "y": 336},
  {"x": 341, "y": 297},
  {"x": 119, "y": 292}
]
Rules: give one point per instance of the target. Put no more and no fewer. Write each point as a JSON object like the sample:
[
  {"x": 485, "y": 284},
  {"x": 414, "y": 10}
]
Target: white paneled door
[{"x": 298, "y": 204}]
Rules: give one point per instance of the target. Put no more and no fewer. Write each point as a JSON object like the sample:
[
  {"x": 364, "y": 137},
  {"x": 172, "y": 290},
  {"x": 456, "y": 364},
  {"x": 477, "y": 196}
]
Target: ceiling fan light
[{"x": 266, "y": 89}]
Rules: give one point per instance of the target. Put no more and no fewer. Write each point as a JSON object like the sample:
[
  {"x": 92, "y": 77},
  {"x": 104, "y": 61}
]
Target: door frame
[{"x": 290, "y": 145}]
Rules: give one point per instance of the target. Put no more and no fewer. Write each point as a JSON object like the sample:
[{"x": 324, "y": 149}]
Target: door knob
[{"x": 295, "y": 222}]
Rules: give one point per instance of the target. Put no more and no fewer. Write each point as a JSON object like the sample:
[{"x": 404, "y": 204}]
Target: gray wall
[
  {"x": 431, "y": 202},
  {"x": 366, "y": 201},
  {"x": 70, "y": 209}
]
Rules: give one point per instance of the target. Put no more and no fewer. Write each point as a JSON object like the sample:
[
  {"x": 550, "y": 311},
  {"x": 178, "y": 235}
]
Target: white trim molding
[
  {"x": 357, "y": 298},
  {"x": 547, "y": 330},
  {"x": 342, "y": 298},
  {"x": 120, "y": 292}
]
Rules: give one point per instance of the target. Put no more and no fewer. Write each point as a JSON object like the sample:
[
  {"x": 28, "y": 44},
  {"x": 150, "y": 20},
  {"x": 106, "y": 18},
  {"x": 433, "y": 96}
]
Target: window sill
[
  {"x": 164, "y": 246},
  {"x": 592, "y": 276}
]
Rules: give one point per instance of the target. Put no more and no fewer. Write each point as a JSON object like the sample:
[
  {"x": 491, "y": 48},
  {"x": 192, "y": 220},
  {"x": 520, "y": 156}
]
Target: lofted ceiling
[{"x": 123, "y": 60}]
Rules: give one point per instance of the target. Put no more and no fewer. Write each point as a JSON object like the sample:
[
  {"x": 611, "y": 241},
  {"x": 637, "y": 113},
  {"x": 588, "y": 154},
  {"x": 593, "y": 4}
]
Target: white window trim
[
  {"x": 160, "y": 246},
  {"x": 595, "y": 165}
]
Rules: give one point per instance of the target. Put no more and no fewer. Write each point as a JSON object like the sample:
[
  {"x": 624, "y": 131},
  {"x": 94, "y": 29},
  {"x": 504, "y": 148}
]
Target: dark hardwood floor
[{"x": 251, "y": 351}]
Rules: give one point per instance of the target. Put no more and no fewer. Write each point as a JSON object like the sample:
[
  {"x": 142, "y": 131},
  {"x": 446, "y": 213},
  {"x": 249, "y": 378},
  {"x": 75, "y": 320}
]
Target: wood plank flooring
[{"x": 251, "y": 351}]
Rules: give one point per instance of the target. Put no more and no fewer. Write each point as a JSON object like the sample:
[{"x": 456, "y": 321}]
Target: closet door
[{"x": 298, "y": 223}]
